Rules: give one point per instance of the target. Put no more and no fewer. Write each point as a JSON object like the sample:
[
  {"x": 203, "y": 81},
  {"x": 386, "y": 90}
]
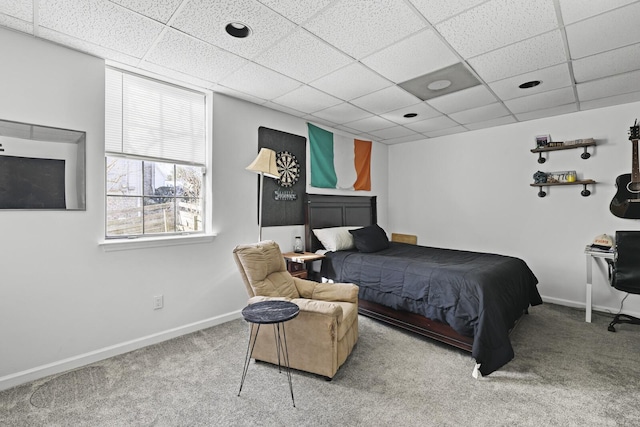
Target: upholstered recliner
[{"x": 322, "y": 336}]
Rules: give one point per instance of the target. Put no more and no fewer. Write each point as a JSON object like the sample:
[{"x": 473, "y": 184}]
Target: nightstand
[{"x": 298, "y": 264}]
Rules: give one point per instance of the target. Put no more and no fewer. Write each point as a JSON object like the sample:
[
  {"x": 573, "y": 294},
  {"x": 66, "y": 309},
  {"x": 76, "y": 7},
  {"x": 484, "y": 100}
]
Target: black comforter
[{"x": 478, "y": 294}]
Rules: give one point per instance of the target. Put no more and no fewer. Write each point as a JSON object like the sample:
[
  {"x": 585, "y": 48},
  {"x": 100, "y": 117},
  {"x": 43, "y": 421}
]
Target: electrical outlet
[{"x": 158, "y": 302}]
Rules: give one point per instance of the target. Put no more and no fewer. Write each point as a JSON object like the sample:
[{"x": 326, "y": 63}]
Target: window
[{"x": 155, "y": 147}]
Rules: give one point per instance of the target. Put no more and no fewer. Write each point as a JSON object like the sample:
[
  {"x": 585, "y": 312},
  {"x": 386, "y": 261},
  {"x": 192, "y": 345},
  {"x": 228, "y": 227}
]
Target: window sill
[{"x": 154, "y": 242}]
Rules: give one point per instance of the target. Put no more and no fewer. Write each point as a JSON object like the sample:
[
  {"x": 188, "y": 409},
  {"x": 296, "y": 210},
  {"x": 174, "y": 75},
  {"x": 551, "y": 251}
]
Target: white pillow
[{"x": 335, "y": 238}]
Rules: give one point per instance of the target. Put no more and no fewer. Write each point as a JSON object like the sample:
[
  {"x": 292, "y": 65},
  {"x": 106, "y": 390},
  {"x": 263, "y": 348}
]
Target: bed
[{"x": 469, "y": 300}]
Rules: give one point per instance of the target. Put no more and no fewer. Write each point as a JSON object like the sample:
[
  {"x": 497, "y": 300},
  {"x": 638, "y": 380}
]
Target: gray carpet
[{"x": 566, "y": 372}]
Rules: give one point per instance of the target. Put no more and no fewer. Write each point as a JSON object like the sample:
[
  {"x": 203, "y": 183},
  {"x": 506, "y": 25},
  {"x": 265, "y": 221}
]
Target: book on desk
[{"x": 598, "y": 249}]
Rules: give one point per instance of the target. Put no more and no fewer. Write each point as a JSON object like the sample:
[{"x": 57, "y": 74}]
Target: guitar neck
[{"x": 635, "y": 168}]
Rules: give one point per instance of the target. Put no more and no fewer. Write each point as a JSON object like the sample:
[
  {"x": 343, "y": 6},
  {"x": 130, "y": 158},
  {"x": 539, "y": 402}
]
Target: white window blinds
[{"x": 150, "y": 119}]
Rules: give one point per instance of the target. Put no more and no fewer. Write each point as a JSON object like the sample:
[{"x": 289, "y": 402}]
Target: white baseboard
[
  {"x": 598, "y": 308},
  {"x": 74, "y": 362}
]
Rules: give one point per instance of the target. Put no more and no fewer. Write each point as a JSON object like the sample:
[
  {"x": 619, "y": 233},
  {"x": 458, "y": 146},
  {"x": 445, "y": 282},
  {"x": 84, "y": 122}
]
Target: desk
[
  {"x": 275, "y": 313},
  {"x": 590, "y": 256}
]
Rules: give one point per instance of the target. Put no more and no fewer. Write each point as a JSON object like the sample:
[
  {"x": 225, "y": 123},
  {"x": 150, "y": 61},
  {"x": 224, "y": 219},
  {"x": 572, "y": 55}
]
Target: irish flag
[{"x": 338, "y": 161}]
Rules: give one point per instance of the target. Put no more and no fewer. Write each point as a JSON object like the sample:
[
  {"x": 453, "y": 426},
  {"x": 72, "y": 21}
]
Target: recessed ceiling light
[
  {"x": 532, "y": 83},
  {"x": 439, "y": 85},
  {"x": 410, "y": 115},
  {"x": 238, "y": 30}
]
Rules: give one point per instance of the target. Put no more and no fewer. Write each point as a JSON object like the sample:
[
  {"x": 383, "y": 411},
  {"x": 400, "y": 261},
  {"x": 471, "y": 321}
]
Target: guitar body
[{"x": 625, "y": 204}]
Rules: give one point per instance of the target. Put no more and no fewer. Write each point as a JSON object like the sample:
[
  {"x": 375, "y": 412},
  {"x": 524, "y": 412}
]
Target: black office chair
[{"x": 624, "y": 271}]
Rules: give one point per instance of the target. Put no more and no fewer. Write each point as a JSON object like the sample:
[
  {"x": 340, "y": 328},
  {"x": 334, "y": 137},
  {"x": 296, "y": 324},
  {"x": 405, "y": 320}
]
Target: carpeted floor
[{"x": 566, "y": 373}]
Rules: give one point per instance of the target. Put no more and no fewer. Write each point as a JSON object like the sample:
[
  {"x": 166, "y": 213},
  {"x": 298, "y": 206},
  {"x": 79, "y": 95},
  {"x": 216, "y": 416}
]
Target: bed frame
[{"x": 323, "y": 211}]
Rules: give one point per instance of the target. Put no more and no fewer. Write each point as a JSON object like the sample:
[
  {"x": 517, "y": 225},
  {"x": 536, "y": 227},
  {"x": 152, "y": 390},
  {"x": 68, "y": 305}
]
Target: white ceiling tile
[
  {"x": 296, "y": 10},
  {"x": 548, "y": 112},
  {"x": 576, "y": 10},
  {"x": 448, "y": 131},
  {"x": 342, "y": 113},
  {"x": 88, "y": 47},
  {"x": 206, "y": 20},
  {"x": 611, "y": 100},
  {"x": 21, "y": 9},
  {"x": 307, "y": 99},
  {"x": 553, "y": 77},
  {"x": 497, "y": 23},
  {"x": 604, "y": 32},
  {"x": 160, "y": 10},
  {"x": 361, "y": 27},
  {"x": 16, "y": 24},
  {"x": 605, "y": 64},
  {"x": 370, "y": 124},
  {"x": 422, "y": 110},
  {"x": 351, "y": 82},
  {"x": 480, "y": 114},
  {"x": 431, "y": 125},
  {"x": 318, "y": 121},
  {"x": 533, "y": 54},
  {"x": 260, "y": 81},
  {"x": 419, "y": 54},
  {"x": 186, "y": 54},
  {"x": 278, "y": 107},
  {"x": 102, "y": 23},
  {"x": 438, "y": 10},
  {"x": 466, "y": 99},
  {"x": 610, "y": 86},
  {"x": 385, "y": 100},
  {"x": 542, "y": 100},
  {"x": 303, "y": 56},
  {"x": 239, "y": 95},
  {"x": 393, "y": 141},
  {"x": 162, "y": 73},
  {"x": 393, "y": 132},
  {"x": 355, "y": 133},
  {"x": 505, "y": 120}
]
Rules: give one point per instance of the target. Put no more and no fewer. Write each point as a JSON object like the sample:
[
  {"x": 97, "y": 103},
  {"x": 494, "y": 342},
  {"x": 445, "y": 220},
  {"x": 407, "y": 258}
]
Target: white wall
[
  {"x": 64, "y": 301},
  {"x": 471, "y": 191}
]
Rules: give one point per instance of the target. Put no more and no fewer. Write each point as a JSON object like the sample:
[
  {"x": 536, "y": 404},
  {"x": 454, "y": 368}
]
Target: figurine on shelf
[{"x": 539, "y": 177}]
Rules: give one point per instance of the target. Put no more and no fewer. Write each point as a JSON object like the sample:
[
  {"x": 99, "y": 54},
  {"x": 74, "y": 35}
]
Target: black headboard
[{"x": 322, "y": 211}]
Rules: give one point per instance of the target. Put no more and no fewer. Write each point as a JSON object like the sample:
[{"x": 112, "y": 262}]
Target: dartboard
[{"x": 288, "y": 167}]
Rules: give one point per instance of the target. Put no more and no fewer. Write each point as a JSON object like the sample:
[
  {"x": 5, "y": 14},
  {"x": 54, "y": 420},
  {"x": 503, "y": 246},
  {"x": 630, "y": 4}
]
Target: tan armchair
[{"x": 322, "y": 336}]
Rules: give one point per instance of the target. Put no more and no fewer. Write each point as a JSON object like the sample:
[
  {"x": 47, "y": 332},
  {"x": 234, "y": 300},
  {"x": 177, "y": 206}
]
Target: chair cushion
[{"x": 265, "y": 269}]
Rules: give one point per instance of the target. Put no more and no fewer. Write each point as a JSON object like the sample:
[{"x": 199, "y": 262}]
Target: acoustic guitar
[{"x": 626, "y": 202}]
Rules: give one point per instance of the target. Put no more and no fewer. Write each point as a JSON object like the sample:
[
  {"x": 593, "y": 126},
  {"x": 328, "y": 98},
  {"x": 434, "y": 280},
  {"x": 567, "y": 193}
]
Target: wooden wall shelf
[
  {"x": 583, "y": 182},
  {"x": 585, "y": 155}
]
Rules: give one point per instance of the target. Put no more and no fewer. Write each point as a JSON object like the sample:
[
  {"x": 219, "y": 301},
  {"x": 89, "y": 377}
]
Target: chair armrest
[
  {"x": 326, "y": 308},
  {"x": 347, "y": 292}
]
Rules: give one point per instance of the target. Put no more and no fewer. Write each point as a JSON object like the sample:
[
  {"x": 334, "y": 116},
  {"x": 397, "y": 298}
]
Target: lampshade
[{"x": 265, "y": 163}]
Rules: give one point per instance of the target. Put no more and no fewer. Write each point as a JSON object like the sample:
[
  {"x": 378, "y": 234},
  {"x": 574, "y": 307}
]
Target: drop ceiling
[{"x": 342, "y": 63}]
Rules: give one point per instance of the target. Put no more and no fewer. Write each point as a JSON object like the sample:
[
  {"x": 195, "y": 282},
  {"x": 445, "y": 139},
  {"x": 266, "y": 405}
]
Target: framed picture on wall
[{"x": 543, "y": 140}]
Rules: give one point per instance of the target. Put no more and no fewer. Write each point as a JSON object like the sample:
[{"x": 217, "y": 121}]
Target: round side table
[{"x": 275, "y": 313}]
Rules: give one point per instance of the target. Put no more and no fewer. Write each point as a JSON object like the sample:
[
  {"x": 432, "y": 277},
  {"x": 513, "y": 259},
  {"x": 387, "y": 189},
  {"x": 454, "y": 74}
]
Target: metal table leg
[
  {"x": 247, "y": 357},
  {"x": 282, "y": 352}
]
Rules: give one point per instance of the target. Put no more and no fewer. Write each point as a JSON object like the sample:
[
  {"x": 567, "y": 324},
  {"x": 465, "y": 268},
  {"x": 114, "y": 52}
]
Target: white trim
[
  {"x": 154, "y": 242},
  {"x": 74, "y": 362},
  {"x": 598, "y": 308}
]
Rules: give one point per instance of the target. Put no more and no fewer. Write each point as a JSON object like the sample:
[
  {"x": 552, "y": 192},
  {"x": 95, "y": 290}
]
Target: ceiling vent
[{"x": 442, "y": 82}]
